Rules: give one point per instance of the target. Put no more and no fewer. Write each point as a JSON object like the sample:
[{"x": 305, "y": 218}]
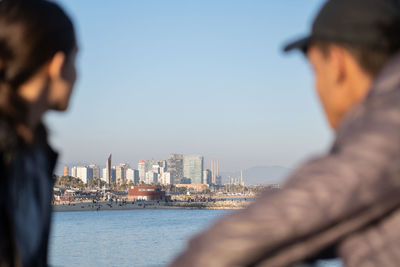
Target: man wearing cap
[{"x": 344, "y": 204}]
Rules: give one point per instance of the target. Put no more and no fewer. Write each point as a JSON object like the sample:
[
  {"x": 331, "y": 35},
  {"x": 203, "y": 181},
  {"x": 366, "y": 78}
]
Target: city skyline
[
  {"x": 176, "y": 169},
  {"x": 208, "y": 164},
  {"x": 202, "y": 78}
]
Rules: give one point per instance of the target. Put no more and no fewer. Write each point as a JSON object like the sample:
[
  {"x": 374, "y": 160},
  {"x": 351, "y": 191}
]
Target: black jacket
[{"x": 26, "y": 187}]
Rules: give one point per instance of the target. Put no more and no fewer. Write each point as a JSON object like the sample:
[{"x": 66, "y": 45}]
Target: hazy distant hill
[{"x": 260, "y": 175}]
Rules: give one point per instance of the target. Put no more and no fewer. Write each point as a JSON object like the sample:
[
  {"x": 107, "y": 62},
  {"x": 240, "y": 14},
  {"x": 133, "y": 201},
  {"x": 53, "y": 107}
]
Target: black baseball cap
[{"x": 367, "y": 23}]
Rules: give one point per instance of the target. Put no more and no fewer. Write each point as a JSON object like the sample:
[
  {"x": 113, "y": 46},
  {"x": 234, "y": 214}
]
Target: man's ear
[
  {"x": 56, "y": 65},
  {"x": 337, "y": 58}
]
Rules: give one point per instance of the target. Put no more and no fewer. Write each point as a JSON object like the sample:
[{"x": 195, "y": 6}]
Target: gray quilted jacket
[{"x": 344, "y": 204}]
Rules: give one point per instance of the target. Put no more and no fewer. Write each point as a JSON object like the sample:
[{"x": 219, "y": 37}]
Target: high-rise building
[
  {"x": 149, "y": 165},
  {"x": 113, "y": 175},
  {"x": 214, "y": 171},
  {"x": 156, "y": 169},
  {"x": 74, "y": 172},
  {"x": 193, "y": 168},
  {"x": 136, "y": 179},
  {"x": 108, "y": 169},
  {"x": 132, "y": 175},
  {"x": 84, "y": 173},
  {"x": 218, "y": 180},
  {"x": 166, "y": 178},
  {"x": 151, "y": 178},
  {"x": 162, "y": 165},
  {"x": 66, "y": 171},
  {"x": 96, "y": 171},
  {"x": 120, "y": 172},
  {"x": 207, "y": 177},
  {"x": 142, "y": 170},
  {"x": 175, "y": 167},
  {"x": 104, "y": 175}
]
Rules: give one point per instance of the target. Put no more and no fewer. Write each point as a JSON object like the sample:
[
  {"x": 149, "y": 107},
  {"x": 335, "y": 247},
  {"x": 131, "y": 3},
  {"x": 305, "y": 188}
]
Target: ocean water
[{"x": 127, "y": 237}]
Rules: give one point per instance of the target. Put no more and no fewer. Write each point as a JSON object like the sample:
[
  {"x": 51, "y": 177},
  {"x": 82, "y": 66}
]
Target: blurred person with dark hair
[
  {"x": 37, "y": 74},
  {"x": 345, "y": 204}
]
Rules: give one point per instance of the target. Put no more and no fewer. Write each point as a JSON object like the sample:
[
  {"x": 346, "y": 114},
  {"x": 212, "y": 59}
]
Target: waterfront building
[
  {"x": 66, "y": 171},
  {"x": 193, "y": 168},
  {"x": 145, "y": 193},
  {"x": 175, "y": 167}
]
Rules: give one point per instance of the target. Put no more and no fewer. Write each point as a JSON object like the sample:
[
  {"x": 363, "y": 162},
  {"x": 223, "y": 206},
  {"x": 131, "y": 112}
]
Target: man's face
[{"x": 331, "y": 83}]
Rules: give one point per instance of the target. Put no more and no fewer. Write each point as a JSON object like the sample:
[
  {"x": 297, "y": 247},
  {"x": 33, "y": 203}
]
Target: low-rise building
[{"x": 145, "y": 193}]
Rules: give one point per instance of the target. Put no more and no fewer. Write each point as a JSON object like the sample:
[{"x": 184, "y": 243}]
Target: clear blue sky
[{"x": 194, "y": 77}]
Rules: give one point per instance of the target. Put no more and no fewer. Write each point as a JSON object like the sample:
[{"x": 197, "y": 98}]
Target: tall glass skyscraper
[
  {"x": 175, "y": 167},
  {"x": 193, "y": 168}
]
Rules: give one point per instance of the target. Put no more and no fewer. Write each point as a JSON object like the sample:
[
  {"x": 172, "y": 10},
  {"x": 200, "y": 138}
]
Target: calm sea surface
[{"x": 126, "y": 237}]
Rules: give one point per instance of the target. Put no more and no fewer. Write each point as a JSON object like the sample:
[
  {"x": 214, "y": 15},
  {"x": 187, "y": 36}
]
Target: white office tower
[
  {"x": 74, "y": 172},
  {"x": 166, "y": 178},
  {"x": 151, "y": 178},
  {"x": 84, "y": 173},
  {"x": 142, "y": 170},
  {"x": 104, "y": 175}
]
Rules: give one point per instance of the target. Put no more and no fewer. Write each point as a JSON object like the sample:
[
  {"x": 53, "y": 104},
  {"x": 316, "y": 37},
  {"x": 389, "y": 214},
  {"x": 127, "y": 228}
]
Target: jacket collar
[{"x": 388, "y": 79}]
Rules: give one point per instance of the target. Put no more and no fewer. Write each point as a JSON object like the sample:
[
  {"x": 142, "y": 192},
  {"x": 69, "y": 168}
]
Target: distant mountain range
[{"x": 259, "y": 175}]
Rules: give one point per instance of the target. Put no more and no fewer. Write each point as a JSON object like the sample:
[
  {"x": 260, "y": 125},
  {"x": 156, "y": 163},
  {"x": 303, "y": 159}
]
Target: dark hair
[
  {"x": 31, "y": 32},
  {"x": 370, "y": 60}
]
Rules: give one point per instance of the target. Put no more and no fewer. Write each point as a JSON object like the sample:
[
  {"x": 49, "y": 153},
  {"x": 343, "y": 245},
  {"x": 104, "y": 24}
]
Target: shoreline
[{"x": 105, "y": 205}]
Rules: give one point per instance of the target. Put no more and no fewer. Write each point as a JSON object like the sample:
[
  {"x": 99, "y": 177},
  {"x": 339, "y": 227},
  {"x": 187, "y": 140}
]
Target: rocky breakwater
[
  {"x": 98, "y": 206},
  {"x": 215, "y": 205}
]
